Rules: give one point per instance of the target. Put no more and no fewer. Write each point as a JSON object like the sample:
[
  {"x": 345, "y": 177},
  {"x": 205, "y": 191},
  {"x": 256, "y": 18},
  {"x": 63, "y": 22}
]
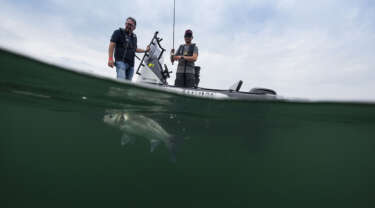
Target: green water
[{"x": 58, "y": 150}]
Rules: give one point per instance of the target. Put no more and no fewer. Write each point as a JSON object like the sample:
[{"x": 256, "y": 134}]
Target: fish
[{"x": 135, "y": 125}]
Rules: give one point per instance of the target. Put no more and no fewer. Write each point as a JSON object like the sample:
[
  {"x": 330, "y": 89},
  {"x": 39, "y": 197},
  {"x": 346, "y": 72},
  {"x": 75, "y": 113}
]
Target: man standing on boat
[
  {"x": 124, "y": 44},
  {"x": 186, "y": 56}
]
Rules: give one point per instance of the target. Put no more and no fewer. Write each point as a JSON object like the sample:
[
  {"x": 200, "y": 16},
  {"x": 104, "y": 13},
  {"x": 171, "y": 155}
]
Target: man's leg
[
  {"x": 189, "y": 80},
  {"x": 120, "y": 69},
  {"x": 129, "y": 72},
  {"x": 179, "y": 82}
]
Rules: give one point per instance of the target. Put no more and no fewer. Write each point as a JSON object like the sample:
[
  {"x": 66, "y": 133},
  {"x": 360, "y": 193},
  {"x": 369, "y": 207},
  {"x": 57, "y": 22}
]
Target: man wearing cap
[
  {"x": 186, "y": 56},
  {"x": 124, "y": 44}
]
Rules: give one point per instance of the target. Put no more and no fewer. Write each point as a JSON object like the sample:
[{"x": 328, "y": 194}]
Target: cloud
[{"x": 310, "y": 49}]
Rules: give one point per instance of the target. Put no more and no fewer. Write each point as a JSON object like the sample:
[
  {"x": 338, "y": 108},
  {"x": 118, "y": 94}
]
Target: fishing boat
[{"x": 154, "y": 73}]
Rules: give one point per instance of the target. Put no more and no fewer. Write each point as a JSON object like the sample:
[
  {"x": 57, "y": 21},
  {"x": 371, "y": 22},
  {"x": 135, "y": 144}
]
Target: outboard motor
[{"x": 197, "y": 70}]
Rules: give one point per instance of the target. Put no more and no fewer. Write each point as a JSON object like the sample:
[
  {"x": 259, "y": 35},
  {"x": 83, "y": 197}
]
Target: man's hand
[
  {"x": 148, "y": 48},
  {"x": 172, "y": 56},
  {"x": 110, "y": 62}
]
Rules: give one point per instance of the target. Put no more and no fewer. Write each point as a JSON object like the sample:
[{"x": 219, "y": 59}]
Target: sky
[{"x": 319, "y": 50}]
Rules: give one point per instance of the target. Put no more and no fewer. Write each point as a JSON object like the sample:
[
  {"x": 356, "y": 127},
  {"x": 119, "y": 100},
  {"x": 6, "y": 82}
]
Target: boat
[{"x": 152, "y": 73}]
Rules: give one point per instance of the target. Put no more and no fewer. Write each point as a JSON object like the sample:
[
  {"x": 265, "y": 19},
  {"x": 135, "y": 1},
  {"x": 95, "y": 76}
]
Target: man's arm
[
  {"x": 192, "y": 58},
  {"x": 139, "y": 50},
  {"x": 111, "y": 48}
]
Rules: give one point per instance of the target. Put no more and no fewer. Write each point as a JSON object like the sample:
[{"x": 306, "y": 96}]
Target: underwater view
[{"x": 70, "y": 139}]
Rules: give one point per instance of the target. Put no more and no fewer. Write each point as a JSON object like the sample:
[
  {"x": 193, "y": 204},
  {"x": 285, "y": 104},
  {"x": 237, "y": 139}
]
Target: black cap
[{"x": 188, "y": 33}]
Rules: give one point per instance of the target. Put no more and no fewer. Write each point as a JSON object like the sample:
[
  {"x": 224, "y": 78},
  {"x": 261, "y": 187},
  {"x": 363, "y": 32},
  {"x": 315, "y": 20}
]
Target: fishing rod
[
  {"x": 174, "y": 22},
  {"x": 174, "y": 19}
]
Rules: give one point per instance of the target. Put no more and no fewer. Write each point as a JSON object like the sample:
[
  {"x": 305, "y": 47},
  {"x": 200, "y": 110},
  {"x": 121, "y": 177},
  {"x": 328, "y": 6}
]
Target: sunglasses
[{"x": 129, "y": 24}]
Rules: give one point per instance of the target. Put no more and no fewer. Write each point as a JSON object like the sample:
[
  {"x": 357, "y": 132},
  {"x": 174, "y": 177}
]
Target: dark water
[{"x": 69, "y": 140}]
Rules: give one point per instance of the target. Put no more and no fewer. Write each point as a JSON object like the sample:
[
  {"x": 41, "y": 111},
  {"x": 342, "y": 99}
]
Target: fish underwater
[{"x": 134, "y": 125}]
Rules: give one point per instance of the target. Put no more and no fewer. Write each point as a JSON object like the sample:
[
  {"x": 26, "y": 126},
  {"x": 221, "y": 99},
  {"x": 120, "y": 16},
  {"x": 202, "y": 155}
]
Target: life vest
[
  {"x": 183, "y": 64},
  {"x": 129, "y": 45},
  {"x": 180, "y": 51}
]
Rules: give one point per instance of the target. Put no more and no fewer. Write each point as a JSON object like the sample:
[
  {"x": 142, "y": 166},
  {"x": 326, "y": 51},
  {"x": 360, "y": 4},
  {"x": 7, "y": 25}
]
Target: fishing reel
[{"x": 166, "y": 72}]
